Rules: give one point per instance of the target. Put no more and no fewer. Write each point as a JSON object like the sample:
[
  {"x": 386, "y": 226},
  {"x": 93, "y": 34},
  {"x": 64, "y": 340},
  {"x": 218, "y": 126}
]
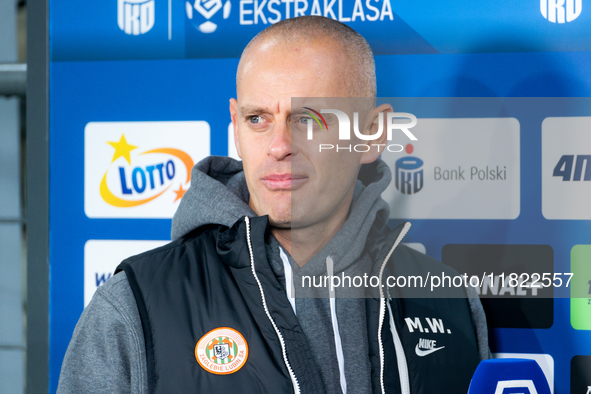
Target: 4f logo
[
  {"x": 581, "y": 165},
  {"x": 135, "y": 17},
  {"x": 560, "y": 11}
]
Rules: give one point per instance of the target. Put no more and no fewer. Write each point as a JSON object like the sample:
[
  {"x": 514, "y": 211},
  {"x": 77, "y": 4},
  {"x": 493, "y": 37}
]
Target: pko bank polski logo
[
  {"x": 135, "y": 17},
  {"x": 458, "y": 168},
  {"x": 140, "y": 169},
  {"x": 560, "y": 11},
  {"x": 200, "y": 12},
  {"x": 566, "y": 168},
  {"x": 409, "y": 175}
]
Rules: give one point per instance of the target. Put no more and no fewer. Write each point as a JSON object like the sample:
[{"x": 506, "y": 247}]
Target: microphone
[{"x": 509, "y": 375}]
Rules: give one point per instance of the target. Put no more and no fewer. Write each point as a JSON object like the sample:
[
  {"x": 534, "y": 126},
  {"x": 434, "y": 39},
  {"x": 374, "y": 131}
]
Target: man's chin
[
  {"x": 287, "y": 223},
  {"x": 279, "y": 222}
]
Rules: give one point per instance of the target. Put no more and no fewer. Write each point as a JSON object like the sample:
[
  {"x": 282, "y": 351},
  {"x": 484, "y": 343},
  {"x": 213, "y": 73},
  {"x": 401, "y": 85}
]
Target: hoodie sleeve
[
  {"x": 480, "y": 322},
  {"x": 107, "y": 350}
]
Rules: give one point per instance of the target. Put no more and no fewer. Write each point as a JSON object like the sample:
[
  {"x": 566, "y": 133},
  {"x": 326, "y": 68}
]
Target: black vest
[{"x": 205, "y": 281}]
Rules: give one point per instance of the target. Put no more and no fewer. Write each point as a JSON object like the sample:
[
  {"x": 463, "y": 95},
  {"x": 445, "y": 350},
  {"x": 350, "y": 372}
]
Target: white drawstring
[
  {"x": 400, "y": 356},
  {"x": 289, "y": 289},
  {"x": 288, "y": 279},
  {"x": 335, "y": 325}
]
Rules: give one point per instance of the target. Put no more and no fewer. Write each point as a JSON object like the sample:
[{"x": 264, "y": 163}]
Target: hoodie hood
[{"x": 219, "y": 195}]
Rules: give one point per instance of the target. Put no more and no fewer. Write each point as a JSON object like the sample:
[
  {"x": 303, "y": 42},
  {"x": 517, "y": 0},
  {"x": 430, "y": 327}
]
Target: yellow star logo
[
  {"x": 122, "y": 149},
  {"x": 179, "y": 193}
]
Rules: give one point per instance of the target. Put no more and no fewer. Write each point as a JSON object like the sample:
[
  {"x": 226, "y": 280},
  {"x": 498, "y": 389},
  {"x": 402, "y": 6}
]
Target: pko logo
[
  {"x": 509, "y": 386},
  {"x": 582, "y": 168},
  {"x": 152, "y": 173},
  {"x": 206, "y": 9},
  {"x": 409, "y": 177},
  {"x": 135, "y": 17},
  {"x": 556, "y": 12}
]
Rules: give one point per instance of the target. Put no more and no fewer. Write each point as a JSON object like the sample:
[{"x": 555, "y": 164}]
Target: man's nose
[{"x": 280, "y": 145}]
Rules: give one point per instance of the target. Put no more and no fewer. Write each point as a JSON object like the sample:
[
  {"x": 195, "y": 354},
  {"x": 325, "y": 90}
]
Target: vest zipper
[
  {"x": 294, "y": 380},
  {"x": 400, "y": 356}
]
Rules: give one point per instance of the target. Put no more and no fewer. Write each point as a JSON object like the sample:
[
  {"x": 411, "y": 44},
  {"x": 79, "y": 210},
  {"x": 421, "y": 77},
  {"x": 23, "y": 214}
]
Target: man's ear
[
  {"x": 372, "y": 128},
  {"x": 234, "y": 116}
]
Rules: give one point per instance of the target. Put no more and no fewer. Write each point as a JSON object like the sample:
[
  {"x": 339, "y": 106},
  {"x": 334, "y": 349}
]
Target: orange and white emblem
[{"x": 223, "y": 350}]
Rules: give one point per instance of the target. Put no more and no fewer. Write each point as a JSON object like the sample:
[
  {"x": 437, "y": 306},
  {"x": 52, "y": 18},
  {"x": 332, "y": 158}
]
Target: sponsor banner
[
  {"x": 580, "y": 375},
  {"x": 148, "y": 29},
  {"x": 140, "y": 169},
  {"x": 580, "y": 303},
  {"x": 545, "y": 361},
  {"x": 226, "y": 27},
  {"x": 164, "y": 29},
  {"x": 566, "y": 168},
  {"x": 460, "y": 26},
  {"x": 508, "y": 304},
  {"x": 101, "y": 257},
  {"x": 115, "y": 30},
  {"x": 456, "y": 169}
]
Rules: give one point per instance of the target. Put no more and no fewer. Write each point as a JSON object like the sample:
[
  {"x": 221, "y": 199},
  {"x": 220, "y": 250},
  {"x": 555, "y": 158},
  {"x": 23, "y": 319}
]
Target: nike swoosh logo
[{"x": 423, "y": 353}]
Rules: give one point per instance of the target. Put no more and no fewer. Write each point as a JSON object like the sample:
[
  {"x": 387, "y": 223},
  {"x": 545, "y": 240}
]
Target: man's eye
[
  {"x": 254, "y": 119},
  {"x": 305, "y": 119}
]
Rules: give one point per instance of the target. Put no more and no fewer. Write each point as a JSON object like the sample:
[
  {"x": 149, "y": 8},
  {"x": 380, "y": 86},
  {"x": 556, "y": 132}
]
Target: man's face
[{"x": 288, "y": 178}]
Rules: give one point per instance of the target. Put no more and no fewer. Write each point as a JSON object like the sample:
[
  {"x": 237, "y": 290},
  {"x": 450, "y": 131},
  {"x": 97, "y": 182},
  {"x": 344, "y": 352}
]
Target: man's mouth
[{"x": 283, "y": 181}]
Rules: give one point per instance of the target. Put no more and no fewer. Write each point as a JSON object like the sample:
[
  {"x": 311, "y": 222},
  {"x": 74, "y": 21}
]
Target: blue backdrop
[{"x": 174, "y": 71}]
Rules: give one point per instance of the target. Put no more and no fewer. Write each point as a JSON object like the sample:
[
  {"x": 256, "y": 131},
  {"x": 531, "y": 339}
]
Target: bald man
[{"x": 223, "y": 307}]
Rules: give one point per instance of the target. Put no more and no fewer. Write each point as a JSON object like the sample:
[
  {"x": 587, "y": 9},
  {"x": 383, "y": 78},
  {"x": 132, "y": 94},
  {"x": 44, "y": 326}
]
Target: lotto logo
[
  {"x": 140, "y": 169},
  {"x": 135, "y": 17}
]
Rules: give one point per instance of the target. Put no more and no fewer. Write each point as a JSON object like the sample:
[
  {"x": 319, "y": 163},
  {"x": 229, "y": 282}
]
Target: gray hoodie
[{"x": 107, "y": 351}]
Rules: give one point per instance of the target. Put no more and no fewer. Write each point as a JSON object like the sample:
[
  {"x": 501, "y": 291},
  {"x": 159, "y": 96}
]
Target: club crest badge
[{"x": 222, "y": 351}]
